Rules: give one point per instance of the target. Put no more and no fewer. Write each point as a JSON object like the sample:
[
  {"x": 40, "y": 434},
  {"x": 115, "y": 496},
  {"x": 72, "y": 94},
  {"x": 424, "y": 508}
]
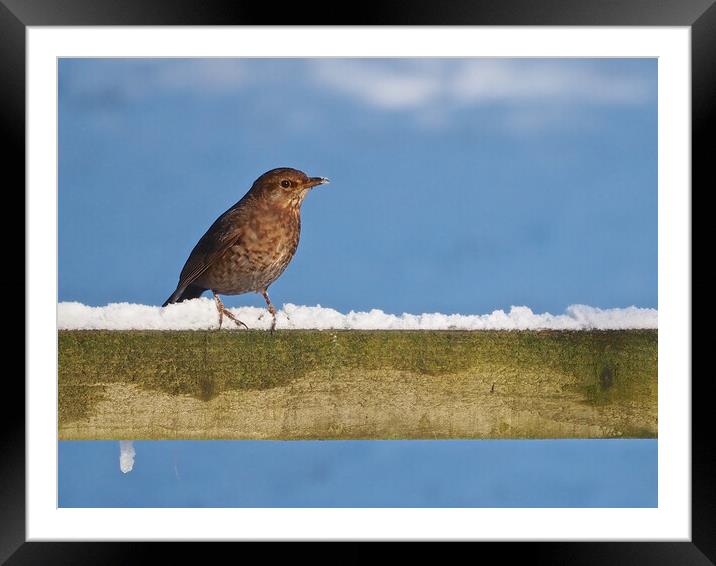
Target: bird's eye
[{"x": 285, "y": 183}]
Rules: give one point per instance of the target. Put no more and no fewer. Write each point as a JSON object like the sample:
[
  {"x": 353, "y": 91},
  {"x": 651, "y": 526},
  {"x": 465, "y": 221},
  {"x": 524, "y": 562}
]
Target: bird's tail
[{"x": 189, "y": 292}]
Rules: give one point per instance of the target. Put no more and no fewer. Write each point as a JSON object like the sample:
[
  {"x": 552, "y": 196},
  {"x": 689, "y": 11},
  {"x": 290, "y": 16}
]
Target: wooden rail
[{"x": 357, "y": 384}]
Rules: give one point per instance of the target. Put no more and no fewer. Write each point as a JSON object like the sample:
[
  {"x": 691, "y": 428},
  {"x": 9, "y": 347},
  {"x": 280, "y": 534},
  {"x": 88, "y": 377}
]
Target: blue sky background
[
  {"x": 458, "y": 185},
  {"x": 495, "y": 473}
]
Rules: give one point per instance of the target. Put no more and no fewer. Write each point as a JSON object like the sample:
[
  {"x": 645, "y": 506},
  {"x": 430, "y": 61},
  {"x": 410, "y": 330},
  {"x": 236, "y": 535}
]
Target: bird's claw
[{"x": 238, "y": 322}]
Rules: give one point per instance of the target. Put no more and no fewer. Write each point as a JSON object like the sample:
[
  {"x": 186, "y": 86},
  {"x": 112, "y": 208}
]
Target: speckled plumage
[{"x": 249, "y": 246}]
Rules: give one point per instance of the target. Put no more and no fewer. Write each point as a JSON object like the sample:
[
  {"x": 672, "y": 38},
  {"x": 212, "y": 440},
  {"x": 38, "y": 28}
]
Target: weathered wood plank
[{"x": 357, "y": 384}]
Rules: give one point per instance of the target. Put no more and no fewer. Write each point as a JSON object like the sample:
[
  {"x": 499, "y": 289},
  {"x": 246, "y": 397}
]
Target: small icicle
[{"x": 126, "y": 455}]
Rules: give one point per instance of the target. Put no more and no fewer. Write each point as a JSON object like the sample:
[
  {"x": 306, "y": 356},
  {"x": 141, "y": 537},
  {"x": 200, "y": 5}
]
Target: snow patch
[{"x": 200, "y": 314}]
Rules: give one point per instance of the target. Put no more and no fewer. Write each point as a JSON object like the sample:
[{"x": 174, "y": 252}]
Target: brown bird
[{"x": 249, "y": 246}]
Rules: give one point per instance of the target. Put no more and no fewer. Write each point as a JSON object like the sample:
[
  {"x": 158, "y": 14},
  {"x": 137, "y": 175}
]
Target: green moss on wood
[{"x": 612, "y": 375}]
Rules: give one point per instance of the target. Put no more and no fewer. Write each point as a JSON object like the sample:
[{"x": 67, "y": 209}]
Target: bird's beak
[{"x": 313, "y": 181}]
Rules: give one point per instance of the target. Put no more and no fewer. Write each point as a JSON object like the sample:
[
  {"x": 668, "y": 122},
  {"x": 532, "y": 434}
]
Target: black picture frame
[{"x": 699, "y": 15}]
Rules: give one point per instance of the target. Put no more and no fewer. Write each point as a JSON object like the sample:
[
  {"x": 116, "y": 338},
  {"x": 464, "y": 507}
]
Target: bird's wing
[{"x": 222, "y": 234}]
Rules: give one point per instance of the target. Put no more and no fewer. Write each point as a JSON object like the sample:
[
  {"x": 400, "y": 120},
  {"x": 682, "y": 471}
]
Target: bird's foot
[
  {"x": 224, "y": 311},
  {"x": 271, "y": 309},
  {"x": 232, "y": 317},
  {"x": 272, "y": 312}
]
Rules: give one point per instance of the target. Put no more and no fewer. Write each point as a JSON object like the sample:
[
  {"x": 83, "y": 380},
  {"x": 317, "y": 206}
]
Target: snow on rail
[{"x": 200, "y": 314}]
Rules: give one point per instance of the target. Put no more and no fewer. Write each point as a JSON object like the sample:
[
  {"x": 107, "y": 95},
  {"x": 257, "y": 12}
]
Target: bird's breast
[
  {"x": 272, "y": 236},
  {"x": 261, "y": 253}
]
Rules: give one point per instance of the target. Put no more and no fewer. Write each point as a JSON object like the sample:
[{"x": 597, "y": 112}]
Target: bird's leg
[
  {"x": 220, "y": 308},
  {"x": 270, "y": 307},
  {"x": 224, "y": 311}
]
